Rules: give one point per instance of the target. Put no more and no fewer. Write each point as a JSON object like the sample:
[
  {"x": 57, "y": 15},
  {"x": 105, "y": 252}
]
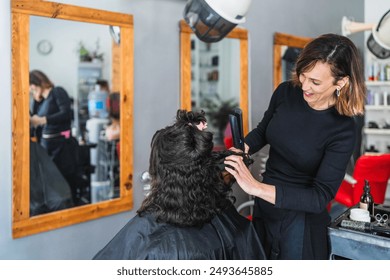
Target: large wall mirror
[
  {"x": 214, "y": 77},
  {"x": 75, "y": 48},
  {"x": 286, "y": 50}
]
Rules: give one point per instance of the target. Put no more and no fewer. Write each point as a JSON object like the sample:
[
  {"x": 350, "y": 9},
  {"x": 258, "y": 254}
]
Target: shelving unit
[
  {"x": 377, "y": 114},
  {"x": 377, "y": 107}
]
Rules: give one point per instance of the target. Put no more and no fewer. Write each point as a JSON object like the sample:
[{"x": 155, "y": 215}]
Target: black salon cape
[{"x": 227, "y": 236}]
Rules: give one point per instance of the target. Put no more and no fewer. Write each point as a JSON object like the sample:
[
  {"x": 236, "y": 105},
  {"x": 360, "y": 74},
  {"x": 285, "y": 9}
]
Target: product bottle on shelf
[
  {"x": 387, "y": 67},
  {"x": 366, "y": 200},
  {"x": 97, "y": 103}
]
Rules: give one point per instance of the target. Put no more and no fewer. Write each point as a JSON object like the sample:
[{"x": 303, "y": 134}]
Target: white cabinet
[{"x": 376, "y": 132}]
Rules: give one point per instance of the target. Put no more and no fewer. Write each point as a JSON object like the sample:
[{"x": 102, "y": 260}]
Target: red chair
[
  {"x": 375, "y": 169},
  {"x": 248, "y": 204}
]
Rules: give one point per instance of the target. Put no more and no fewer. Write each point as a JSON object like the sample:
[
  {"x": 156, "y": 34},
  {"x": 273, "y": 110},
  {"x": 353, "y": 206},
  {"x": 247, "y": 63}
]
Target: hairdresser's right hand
[{"x": 235, "y": 165}]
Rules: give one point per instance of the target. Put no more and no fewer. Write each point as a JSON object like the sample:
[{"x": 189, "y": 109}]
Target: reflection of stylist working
[
  {"x": 53, "y": 115},
  {"x": 310, "y": 128}
]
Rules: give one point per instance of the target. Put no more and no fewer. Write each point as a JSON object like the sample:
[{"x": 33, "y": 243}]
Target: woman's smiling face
[{"x": 318, "y": 86}]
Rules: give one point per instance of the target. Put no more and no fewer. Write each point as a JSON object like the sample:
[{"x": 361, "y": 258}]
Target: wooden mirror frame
[
  {"x": 280, "y": 40},
  {"x": 22, "y": 223},
  {"x": 185, "y": 69}
]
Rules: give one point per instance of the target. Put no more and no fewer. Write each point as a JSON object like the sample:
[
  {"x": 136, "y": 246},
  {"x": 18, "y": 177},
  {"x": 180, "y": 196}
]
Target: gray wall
[{"x": 156, "y": 98}]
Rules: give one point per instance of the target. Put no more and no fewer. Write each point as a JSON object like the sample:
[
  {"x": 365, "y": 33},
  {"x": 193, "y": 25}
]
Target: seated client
[{"x": 189, "y": 213}]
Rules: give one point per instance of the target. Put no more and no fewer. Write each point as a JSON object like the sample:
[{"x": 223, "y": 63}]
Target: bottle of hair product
[
  {"x": 387, "y": 72},
  {"x": 97, "y": 107},
  {"x": 366, "y": 200}
]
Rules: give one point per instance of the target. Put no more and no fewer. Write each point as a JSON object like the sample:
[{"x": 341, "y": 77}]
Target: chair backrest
[{"x": 375, "y": 169}]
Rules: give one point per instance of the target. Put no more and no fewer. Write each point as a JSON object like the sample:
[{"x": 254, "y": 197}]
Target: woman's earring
[{"x": 337, "y": 92}]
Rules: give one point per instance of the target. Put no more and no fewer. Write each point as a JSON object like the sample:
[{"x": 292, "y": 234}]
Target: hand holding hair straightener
[{"x": 236, "y": 125}]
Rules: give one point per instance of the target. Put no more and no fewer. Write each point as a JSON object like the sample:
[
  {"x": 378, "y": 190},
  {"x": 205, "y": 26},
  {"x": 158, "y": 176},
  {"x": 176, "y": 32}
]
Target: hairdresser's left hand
[{"x": 236, "y": 166}]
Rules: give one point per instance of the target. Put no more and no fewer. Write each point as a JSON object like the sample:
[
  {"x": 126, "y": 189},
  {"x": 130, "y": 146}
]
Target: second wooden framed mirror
[{"x": 25, "y": 16}]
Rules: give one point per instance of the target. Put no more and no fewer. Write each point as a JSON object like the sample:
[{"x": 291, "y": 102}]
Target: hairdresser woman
[
  {"x": 54, "y": 113},
  {"x": 54, "y": 116},
  {"x": 310, "y": 128}
]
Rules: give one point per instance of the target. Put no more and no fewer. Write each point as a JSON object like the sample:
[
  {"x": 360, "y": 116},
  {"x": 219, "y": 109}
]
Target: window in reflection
[
  {"x": 74, "y": 147},
  {"x": 215, "y": 85}
]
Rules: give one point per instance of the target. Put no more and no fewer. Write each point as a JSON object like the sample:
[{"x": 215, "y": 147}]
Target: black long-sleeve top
[
  {"x": 309, "y": 150},
  {"x": 57, "y": 110}
]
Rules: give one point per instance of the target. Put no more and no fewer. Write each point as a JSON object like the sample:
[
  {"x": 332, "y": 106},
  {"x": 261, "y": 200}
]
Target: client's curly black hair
[{"x": 187, "y": 186}]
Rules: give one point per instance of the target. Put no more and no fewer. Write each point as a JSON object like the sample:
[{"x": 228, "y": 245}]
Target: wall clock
[{"x": 44, "y": 47}]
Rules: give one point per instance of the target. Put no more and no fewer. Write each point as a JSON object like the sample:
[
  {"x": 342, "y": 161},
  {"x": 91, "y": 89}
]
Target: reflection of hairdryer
[{"x": 235, "y": 119}]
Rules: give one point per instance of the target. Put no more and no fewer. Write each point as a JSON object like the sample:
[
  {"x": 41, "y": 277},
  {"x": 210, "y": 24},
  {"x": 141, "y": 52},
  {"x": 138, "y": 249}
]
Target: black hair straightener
[{"x": 236, "y": 124}]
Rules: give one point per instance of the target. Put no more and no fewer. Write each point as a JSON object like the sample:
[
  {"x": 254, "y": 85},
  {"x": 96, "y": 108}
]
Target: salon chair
[
  {"x": 246, "y": 209},
  {"x": 375, "y": 169}
]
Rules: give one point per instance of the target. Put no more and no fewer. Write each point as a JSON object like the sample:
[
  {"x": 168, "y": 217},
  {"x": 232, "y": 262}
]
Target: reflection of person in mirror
[
  {"x": 310, "y": 128},
  {"x": 113, "y": 129},
  {"x": 35, "y": 101},
  {"x": 53, "y": 116},
  {"x": 103, "y": 85},
  {"x": 189, "y": 213}
]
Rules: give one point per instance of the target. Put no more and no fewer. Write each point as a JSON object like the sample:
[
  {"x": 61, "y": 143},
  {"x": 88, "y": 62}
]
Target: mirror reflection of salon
[
  {"x": 85, "y": 167},
  {"x": 215, "y": 82}
]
